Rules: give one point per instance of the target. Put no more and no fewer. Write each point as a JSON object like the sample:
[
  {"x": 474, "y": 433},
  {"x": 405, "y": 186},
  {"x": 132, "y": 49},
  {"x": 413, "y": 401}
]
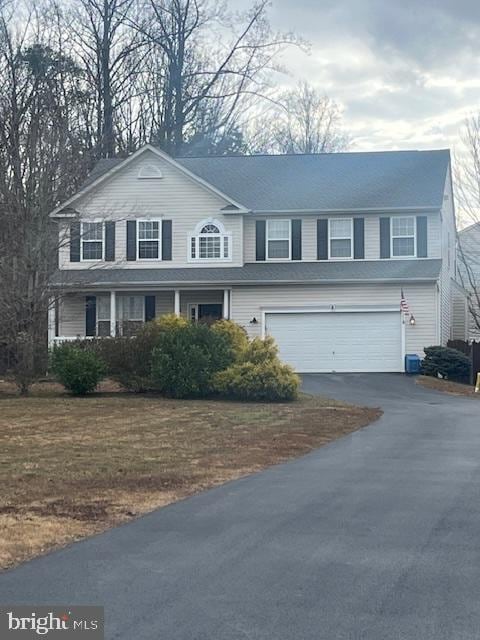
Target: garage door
[{"x": 343, "y": 342}]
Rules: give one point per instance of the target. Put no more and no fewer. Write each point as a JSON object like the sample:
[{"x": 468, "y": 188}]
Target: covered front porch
[{"x": 103, "y": 313}]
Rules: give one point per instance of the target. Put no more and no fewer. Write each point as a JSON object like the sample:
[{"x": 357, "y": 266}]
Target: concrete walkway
[{"x": 375, "y": 536}]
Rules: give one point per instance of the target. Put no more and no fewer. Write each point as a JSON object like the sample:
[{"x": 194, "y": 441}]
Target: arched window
[{"x": 210, "y": 242}]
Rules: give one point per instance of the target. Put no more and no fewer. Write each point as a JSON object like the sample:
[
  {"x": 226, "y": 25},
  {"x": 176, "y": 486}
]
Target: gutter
[{"x": 212, "y": 283}]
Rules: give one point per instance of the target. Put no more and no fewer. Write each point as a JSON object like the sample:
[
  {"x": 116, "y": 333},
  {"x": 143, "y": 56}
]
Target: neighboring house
[
  {"x": 314, "y": 250},
  {"x": 469, "y": 273}
]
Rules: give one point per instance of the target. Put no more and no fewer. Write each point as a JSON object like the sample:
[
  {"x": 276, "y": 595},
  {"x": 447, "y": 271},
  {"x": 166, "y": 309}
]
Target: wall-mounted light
[
  {"x": 412, "y": 320},
  {"x": 253, "y": 321}
]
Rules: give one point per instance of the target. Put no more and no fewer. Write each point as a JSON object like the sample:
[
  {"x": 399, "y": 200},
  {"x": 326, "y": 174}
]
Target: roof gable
[{"x": 108, "y": 168}]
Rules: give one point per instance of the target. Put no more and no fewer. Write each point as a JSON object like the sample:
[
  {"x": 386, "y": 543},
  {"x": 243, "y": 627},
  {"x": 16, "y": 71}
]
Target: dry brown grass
[
  {"x": 455, "y": 388},
  {"x": 71, "y": 467}
]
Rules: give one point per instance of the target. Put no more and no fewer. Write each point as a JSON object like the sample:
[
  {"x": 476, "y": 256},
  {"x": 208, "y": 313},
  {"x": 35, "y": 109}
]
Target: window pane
[
  {"x": 340, "y": 228},
  {"x": 209, "y": 247},
  {"x": 225, "y": 247},
  {"x": 92, "y": 250},
  {"x": 403, "y": 246},
  {"x": 278, "y": 249},
  {"x": 210, "y": 228},
  {"x": 148, "y": 249},
  {"x": 278, "y": 229},
  {"x": 194, "y": 248},
  {"x": 92, "y": 230},
  {"x": 403, "y": 226},
  {"x": 148, "y": 230},
  {"x": 103, "y": 308},
  {"x": 340, "y": 248}
]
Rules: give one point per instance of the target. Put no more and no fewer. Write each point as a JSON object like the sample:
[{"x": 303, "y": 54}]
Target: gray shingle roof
[
  {"x": 255, "y": 273},
  {"x": 329, "y": 181}
]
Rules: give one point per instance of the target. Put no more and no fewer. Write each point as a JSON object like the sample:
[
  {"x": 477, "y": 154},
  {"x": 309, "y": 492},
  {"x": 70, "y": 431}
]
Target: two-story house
[{"x": 315, "y": 250}]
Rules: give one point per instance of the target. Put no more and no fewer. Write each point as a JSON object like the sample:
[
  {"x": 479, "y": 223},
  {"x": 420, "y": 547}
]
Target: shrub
[
  {"x": 446, "y": 363},
  {"x": 185, "y": 359},
  {"x": 129, "y": 359},
  {"x": 258, "y": 374},
  {"x": 261, "y": 351},
  {"x": 266, "y": 381},
  {"x": 236, "y": 336},
  {"x": 79, "y": 370}
]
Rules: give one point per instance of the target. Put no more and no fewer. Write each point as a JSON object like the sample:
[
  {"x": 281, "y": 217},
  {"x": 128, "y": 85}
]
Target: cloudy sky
[{"x": 407, "y": 72}]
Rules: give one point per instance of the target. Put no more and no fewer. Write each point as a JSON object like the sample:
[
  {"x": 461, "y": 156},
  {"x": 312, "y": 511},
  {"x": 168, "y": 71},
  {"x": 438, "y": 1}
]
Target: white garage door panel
[{"x": 316, "y": 342}]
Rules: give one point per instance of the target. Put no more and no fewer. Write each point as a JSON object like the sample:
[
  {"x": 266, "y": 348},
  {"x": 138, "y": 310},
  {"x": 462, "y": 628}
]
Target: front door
[{"x": 205, "y": 312}]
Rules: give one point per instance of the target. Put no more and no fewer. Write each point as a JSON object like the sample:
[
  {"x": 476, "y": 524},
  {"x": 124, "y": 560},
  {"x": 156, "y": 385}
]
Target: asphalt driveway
[{"x": 375, "y": 536}]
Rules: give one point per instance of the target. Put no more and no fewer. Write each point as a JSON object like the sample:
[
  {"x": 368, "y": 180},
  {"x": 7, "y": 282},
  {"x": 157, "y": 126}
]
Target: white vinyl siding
[
  {"x": 175, "y": 197},
  {"x": 250, "y": 302},
  {"x": 372, "y": 235}
]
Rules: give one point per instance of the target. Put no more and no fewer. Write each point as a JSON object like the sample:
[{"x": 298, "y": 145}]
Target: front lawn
[
  {"x": 447, "y": 386},
  {"x": 71, "y": 467}
]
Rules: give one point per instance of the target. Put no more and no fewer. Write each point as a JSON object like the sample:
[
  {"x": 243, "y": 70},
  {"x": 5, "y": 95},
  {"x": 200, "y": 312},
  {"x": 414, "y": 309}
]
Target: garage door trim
[{"x": 333, "y": 309}]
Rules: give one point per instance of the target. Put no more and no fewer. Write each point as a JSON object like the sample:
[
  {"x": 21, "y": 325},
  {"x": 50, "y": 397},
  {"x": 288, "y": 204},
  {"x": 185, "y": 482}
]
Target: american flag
[{"x": 404, "y": 304}]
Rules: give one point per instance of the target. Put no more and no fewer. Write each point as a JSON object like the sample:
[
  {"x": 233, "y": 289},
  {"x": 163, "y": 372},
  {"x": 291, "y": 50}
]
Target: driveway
[{"x": 375, "y": 536}]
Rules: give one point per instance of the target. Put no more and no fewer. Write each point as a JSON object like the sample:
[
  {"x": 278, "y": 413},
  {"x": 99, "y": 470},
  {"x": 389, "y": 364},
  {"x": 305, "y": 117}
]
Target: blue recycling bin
[{"x": 412, "y": 364}]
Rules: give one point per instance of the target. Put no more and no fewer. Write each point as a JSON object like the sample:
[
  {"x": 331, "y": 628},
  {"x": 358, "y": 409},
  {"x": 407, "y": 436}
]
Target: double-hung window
[
  {"x": 403, "y": 237},
  {"x": 148, "y": 239},
  {"x": 92, "y": 240},
  {"x": 279, "y": 240},
  {"x": 340, "y": 238},
  {"x": 210, "y": 242},
  {"x": 130, "y": 314}
]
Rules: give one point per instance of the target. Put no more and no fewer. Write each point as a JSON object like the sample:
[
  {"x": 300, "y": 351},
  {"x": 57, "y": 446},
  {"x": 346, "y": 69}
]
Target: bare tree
[
  {"x": 467, "y": 188},
  {"x": 110, "y": 52},
  {"x": 206, "y": 61},
  {"x": 42, "y": 157},
  {"x": 301, "y": 120}
]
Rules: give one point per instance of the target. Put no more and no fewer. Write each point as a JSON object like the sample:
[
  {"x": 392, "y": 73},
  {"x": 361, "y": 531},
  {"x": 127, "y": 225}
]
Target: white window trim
[
  {"x": 351, "y": 238},
  {"x": 414, "y": 254},
  {"x": 120, "y": 304},
  {"x": 159, "y": 220},
  {"x": 195, "y": 305},
  {"x": 279, "y": 239},
  {"x": 222, "y": 235},
  {"x": 97, "y": 221}
]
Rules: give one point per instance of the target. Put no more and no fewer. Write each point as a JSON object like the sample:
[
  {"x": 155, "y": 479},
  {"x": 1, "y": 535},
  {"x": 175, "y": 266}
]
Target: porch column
[
  {"x": 113, "y": 313},
  {"x": 176, "y": 306},
  {"x": 226, "y": 300},
  {"x": 51, "y": 321}
]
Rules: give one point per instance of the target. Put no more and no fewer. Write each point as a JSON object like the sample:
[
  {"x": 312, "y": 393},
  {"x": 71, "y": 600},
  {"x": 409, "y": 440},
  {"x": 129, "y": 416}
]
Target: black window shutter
[
  {"x": 384, "y": 237},
  {"x": 359, "y": 238},
  {"x": 75, "y": 242},
  {"x": 90, "y": 315},
  {"x": 260, "y": 237},
  {"x": 110, "y": 241},
  {"x": 422, "y": 236},
  {"x": 322, "y": 239},
  {"x": 149, "y": 308},
  {"x": 296, "y": 239},
  {"x": 131, "y": 239},
  {"x": 166, "y": 239}
]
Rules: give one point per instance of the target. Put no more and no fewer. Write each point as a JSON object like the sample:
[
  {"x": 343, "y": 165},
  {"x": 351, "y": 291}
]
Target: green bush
[
  {"x": 78, "y": 369},
  {"x": 446, "y": 363},
  {"x": 267, "y": 381},
  {"x": 185, "y": 359},
  {"x": 258, "y": 374},
  {"x": 235, "y": 334}
]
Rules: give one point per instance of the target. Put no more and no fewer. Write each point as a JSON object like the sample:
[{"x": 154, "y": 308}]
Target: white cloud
[{"x": 407, "y": 74}]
